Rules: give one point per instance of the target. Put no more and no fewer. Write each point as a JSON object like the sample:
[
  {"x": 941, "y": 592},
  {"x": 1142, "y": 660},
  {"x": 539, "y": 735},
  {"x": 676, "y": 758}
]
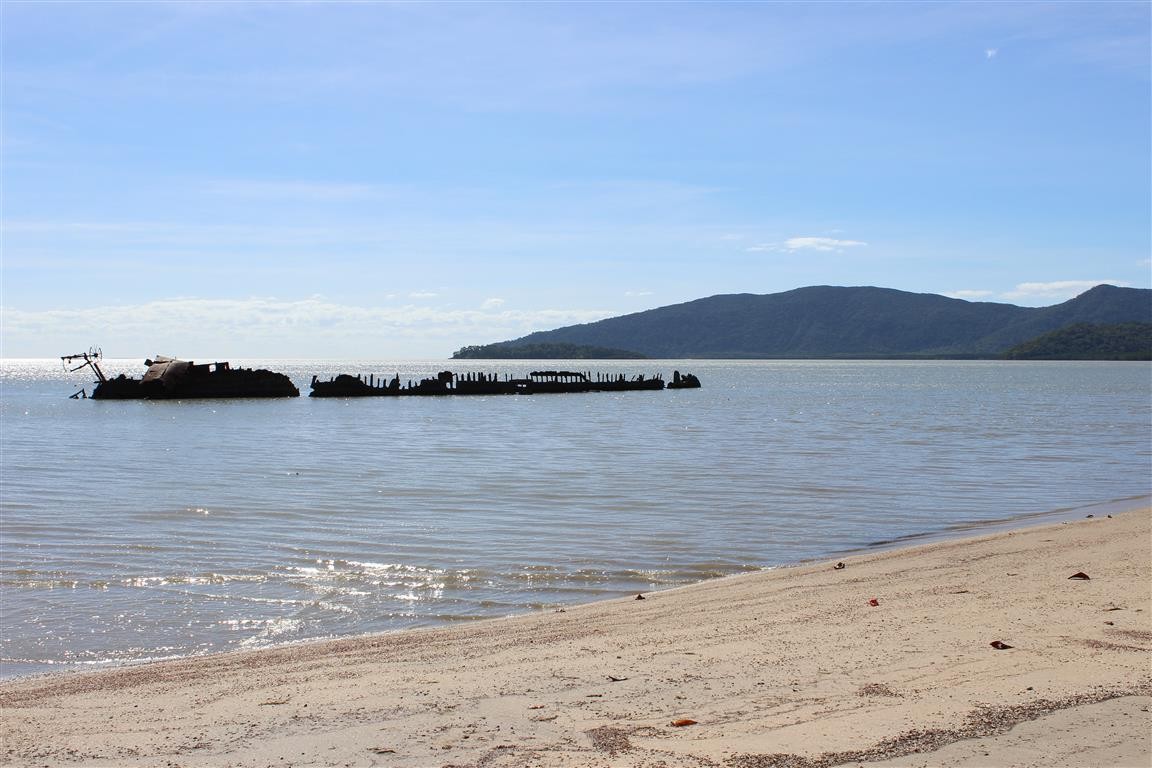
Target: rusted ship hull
[
  {"x": 448, "y": 383},
  {"x": 170, "y": 379}
]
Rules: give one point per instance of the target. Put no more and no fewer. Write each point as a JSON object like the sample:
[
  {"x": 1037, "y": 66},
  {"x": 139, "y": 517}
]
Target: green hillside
[
  {"x": 517, "y": 351},
  {"x": 1085, "y": 341}
]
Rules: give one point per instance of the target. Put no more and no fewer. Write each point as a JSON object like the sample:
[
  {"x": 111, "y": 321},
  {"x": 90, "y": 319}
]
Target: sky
[{"x": 371, "y": 179}]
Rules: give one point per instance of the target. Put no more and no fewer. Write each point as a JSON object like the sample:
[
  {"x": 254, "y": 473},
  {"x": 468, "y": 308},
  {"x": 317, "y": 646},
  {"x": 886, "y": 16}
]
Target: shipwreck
[
  {"x": 478, "y": 383},
  {"x": 167, "y": 378}
]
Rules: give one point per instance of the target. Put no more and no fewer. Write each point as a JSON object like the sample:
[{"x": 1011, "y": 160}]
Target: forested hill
[
  {"x": 504, "y": 351},
  {"x": 1087, "y": 341},
  {"x": 843, "y": 322}
]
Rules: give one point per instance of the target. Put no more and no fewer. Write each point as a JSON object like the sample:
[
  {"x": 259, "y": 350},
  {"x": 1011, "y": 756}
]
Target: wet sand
[{"x": 792, "y": 668}]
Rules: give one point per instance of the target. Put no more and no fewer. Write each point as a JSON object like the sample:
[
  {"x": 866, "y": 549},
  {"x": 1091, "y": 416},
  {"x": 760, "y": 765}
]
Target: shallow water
[{"x": 138, "y": 530}]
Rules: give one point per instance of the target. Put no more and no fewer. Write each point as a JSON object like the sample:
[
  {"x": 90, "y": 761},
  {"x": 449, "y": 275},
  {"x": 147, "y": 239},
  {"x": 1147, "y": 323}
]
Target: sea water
[{"x": 143, "y": 530}]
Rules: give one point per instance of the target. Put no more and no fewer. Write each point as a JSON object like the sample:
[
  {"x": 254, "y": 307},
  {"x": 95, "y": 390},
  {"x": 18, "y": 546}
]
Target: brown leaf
[
  {"x": 999, "y": 645},
  {"x": 1080, "y": 575},
  {"x": 873, "y": 602},
  {"x": 682, "y": 722}
]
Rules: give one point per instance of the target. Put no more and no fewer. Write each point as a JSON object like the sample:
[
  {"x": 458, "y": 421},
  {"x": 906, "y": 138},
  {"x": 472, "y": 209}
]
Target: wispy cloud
[
  {"x": 991, "y": 53},
  {"x": 261, "y": 326},
  {"x": 1059, "y": 290},
  {"x": 423, "y": 295},
  {"x": 492, "y": 303},
  {"x": 132, "y": 234},
  {"x": 792, "y": 244},
  {"x": 1035, "y": 293},
  {"x": 637, "y": 293},
  {"x": 969, "y": 294},
  {"x": 820, "y": 244}
]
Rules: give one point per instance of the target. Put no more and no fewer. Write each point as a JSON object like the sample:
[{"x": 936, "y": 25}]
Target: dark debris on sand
[{"x": 984, "y": 721}]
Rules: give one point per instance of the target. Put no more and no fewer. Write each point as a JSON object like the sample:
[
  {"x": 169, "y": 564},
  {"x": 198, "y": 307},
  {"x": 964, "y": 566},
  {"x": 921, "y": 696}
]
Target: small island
[{"x": 558, "y": 351}]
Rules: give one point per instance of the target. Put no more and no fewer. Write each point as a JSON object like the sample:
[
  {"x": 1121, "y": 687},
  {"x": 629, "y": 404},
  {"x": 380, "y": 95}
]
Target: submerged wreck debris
[
  {"x": 170, "y": 379},
  {"x": 449, "y": 383},
  {"x": 685, "y": 381}
]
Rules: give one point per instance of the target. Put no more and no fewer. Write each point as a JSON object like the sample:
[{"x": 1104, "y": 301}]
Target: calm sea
[{"x": 138, "y": 530}]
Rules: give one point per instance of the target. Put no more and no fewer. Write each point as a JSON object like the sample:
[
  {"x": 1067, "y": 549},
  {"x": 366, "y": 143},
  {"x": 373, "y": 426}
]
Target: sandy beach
[{"x": 887, "y": 660}]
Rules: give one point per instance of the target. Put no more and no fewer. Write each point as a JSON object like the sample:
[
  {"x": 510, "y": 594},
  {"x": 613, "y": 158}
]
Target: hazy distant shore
[{"x": 793, "y": 665}]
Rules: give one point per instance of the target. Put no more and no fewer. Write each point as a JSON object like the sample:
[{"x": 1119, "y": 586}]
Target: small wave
[
  {"x": 90, "y": 659},
  {"x": 40, "y": 583},
  {"x": 132, "y": 582},
  {"x": 391, "y": 567},
  {"x": 273, "y": 631},
  {"x": 344, "y": 568},
  {"x": 249, "y": 599},
  {"x": 328, "y": 605},
  {"x": 235, "y": 624},
  {"x": 208, "y": 578}
]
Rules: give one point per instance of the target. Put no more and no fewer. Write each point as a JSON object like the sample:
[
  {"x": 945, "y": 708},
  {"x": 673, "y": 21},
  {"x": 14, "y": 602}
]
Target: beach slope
[{"x": 888, "y": 659}]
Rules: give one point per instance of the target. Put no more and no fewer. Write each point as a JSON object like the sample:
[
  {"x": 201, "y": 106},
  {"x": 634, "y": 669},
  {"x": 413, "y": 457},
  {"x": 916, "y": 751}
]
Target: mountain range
[{"x": 838, "y": 322}]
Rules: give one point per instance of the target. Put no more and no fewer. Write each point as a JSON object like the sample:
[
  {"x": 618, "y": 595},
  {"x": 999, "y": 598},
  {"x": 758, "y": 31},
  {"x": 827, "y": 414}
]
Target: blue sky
[{"x": 401, "y": 179}]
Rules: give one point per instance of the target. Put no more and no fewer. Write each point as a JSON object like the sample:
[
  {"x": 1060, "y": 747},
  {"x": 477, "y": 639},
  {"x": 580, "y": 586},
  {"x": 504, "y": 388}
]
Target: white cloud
[
  {"x": 637, "y": 293},
  {"x": 990, "y": 53},
  {"x": 968, "y": 294},
  {"x": 423, "y": 295},
  {"x": 820, "y": 244},
  {"x": 1060, "y": 290},
  {"x": 1036, "y": 293},
  {"x": 793, "y": 244},
  {"x": 492, "y": 304},
  {"x": 263, "y": 327}
]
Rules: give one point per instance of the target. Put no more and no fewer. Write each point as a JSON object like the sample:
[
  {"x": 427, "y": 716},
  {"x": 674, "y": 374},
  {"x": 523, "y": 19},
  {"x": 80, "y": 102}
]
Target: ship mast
[{"x": 90, "y": 359}]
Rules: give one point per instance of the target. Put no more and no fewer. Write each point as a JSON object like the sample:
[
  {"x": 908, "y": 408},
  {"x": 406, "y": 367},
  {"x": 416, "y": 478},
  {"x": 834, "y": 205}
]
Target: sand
[{"x": 792, "y": 668}]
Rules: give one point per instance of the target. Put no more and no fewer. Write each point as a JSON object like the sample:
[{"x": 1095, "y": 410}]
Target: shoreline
[
  {"x": 1023, "y": 521},
  {"x": 787, "y": 664},
  {"x": 953, "y": 532}
]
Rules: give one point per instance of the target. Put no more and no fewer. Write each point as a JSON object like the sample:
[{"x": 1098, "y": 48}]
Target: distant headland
[
  {"x": 830, "y": 322},
  {"x": 562, "y": 351}
]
